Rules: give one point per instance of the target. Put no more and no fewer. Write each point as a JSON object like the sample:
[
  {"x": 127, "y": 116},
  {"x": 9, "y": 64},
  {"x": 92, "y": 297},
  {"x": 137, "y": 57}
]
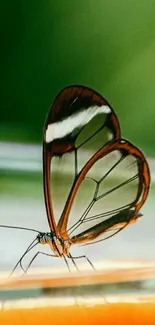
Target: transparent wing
[
  {"x": 79, "y": 123},
  {"x": 107, "y": 194}
]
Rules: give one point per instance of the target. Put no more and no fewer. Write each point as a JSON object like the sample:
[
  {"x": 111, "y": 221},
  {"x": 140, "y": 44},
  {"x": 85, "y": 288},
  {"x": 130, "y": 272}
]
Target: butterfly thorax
[{"x": 58, "y": 245}]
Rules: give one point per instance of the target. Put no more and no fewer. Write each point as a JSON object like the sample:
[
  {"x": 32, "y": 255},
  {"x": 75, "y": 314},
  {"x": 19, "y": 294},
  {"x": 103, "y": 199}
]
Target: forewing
[
  {"x": 78, "y": 124},
  {"x": 108, "y": 193}
]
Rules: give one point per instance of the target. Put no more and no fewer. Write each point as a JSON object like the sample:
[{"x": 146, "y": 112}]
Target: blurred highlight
[{"x": 118, "y": 294}]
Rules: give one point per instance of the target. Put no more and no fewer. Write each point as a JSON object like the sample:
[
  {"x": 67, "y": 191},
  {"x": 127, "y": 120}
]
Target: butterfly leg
[
  {"x": 65, "y": 259},
  {"x": 90, "y": 263},
  {"x": 79, "y": 257},
  {"x": 30, "y": 247},
  {"x": 35, "y": 256}
]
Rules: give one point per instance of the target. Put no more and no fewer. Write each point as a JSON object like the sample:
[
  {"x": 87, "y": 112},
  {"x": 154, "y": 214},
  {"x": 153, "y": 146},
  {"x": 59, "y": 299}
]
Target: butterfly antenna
[
  {"x": 20, "y": 228},
  {"x": 20, "y": 260}
]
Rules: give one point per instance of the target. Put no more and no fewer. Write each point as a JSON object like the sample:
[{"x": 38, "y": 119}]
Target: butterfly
[{"x": 108, "y": 176}]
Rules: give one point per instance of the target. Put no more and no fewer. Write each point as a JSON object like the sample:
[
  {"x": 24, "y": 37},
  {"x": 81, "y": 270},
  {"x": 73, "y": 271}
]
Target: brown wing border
[
  {"x": 50, "y": 150},
  {"x": 144, "y": 175}
]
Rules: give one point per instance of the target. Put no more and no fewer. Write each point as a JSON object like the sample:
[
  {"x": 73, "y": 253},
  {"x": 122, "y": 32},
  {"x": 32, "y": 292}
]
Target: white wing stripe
[{"x": 64, "y": 127}]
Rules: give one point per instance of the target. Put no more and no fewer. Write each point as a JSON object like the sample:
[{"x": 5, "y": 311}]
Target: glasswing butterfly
[{"x": 104, "y": 178}]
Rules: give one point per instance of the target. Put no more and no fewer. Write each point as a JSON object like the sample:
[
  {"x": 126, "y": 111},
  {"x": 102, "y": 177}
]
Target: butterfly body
[{"x": 58, "y": 245}]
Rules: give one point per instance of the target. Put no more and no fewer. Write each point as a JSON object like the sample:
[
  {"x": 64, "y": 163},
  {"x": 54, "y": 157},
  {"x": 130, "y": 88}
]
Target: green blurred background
[{"x": 106, "y": 45}]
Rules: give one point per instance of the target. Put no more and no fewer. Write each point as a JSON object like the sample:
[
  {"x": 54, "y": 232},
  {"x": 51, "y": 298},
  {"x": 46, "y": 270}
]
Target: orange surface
[
  {"x": 137, "y": 312},
  {"x": 134, "y": 308}
]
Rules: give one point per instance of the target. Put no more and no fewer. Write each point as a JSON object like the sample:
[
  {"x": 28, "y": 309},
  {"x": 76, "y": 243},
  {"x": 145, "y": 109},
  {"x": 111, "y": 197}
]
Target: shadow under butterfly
[{"x": 104, "y": 178}]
